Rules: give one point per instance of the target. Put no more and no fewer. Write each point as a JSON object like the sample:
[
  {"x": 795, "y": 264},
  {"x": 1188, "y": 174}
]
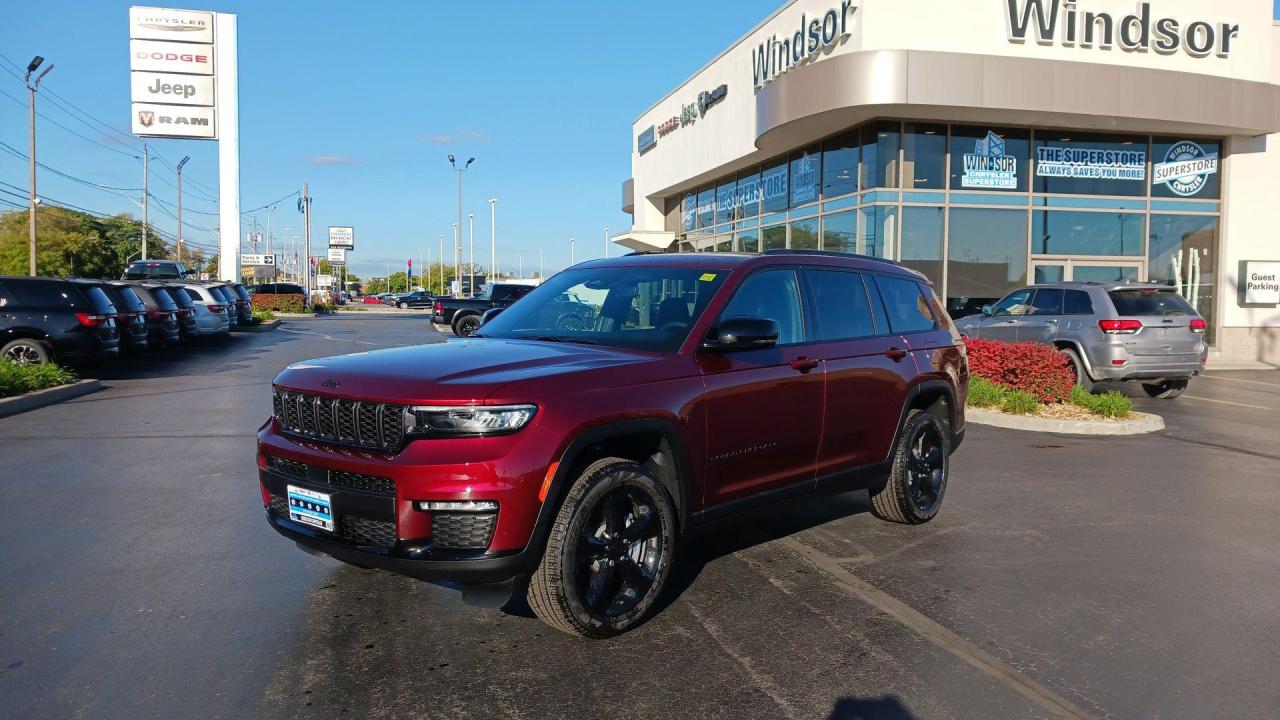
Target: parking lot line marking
[
  {"x": 936, "y": 633},
  {"x": 1240, "y": 380},
  {"x": 326, "y": 337},
  {"x": 1226, "y": 402}
]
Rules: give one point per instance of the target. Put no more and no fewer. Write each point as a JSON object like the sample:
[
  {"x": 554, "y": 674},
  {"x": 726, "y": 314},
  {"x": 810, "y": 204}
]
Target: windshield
[{"x": 642, "y": 308}]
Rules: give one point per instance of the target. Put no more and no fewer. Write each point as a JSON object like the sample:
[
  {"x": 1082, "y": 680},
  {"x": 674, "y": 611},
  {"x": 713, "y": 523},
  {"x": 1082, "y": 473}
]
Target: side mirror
[
  {"x": 490, "y": 314},
  {"x": 742, "y": 333},
  {"x": 986, "y": 310}
]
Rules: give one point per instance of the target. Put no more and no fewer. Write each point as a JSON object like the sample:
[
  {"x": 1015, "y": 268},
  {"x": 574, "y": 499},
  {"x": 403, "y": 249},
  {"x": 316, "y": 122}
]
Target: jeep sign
[{"x": 149, "y": 87}]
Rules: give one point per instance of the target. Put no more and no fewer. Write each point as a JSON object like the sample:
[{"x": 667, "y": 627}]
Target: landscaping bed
[{"x": 18, "y": 379}]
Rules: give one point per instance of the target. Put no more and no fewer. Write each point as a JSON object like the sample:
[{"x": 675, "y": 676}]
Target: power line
[
  {"x": 73, "y": 132},
  {"x": 274, "y": 202},
  {"x": 14, "y": 151}
]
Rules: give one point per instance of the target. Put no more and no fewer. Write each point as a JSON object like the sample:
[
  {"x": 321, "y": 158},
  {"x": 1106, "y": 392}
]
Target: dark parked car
[
  {"x": 188, "y": 329},
  {"x": 131, "y": 314},
  {"x": 463, "y": 315},
  {"x": 43, "y": 319},
  {"x": 228, "y": 296},
  {"x": 280, "y": 288},
  {"x": 244, "y": 303},
  {"x": 421, "y": 298},
  {"x": 577, "y": 459},
  {"x": 157, "y": 270},
  {"x": 162, "y": 316}
]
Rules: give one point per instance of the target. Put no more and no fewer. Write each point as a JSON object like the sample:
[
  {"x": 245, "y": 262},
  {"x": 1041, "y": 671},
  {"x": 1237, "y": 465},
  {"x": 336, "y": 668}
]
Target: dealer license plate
[{"x": 310, "y": 508}]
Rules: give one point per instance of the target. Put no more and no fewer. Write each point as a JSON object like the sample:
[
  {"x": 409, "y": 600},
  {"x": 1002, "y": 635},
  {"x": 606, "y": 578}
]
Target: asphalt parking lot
[{"x": 1066, "y": 576}]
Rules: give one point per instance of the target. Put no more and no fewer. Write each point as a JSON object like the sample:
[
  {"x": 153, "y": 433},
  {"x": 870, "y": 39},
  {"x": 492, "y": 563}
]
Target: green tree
[
  {"x": 70, "y": 242},
  {"x": 375, "y": 286}
]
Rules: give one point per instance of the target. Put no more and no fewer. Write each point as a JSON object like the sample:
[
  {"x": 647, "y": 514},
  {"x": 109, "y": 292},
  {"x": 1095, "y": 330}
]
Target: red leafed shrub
[
  {"x": 1038, "y": 369},
  {"x": 279, "y": 303}
]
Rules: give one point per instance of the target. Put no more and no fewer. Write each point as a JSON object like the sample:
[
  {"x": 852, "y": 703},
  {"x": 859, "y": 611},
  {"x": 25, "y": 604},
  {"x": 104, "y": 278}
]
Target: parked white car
[{"x": 212, "y": 311}]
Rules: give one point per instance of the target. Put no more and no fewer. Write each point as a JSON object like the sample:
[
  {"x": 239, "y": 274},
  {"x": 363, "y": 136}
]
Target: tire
[
  {"x": 1167, "y": 390},
  {"x": 25, "y": 351},
  {"x": 918, "y": 478},
  {"x": 403, "y": 306},
  {"x": 466, "y": 326},
  {"x": 1078, "y": 368},
  {"x": 592, "y": 541}
]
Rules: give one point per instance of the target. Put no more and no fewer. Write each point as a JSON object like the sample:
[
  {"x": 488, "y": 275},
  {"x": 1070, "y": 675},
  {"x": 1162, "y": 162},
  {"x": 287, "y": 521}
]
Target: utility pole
[
  {"x": 573, "y": 246},
  {"x": 541, "y": 276},
  {"x": 442, "y": 292},
  {"x": 146, "y": 196},
  {"x": 31, "y": 220},
  {"x": 269, "y": 209},
  {"x": 181, "y": 162},
  {"x": 606, "y": 242},
  {"x": 471, "y": 269},
  {"x": 493, "y": 236},
  {"x": 519, "y": 265},
  {"x": 306, "y": 242}
]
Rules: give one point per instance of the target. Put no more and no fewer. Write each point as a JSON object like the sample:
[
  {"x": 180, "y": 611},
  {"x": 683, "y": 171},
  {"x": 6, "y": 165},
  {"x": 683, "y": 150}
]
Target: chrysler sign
[{"x": 147, "y": 23}]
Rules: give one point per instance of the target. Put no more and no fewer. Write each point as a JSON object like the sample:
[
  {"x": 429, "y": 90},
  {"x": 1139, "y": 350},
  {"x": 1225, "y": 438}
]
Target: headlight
[{"x": 470, "y": 419}]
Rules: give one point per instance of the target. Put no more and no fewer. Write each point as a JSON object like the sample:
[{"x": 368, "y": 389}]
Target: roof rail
[{"x": 831, "y": 253}]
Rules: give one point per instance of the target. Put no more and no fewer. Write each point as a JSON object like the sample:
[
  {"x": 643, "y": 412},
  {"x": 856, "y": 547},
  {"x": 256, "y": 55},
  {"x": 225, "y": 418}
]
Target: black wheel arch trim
[
  {"x": 921, "y": 388},
  {"x": 1069, "y": 344}
]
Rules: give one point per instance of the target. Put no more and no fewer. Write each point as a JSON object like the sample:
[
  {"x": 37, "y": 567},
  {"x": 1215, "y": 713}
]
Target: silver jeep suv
[{"x": 1127, "y": 331}]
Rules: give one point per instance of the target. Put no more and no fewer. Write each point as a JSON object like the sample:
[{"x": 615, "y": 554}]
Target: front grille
[
  {"x": 462, "y": 531},
  {"x": 287, "y": 467},
  {"x": 338, "y": 479},
  {"x": 376, "y": 426},
  {"x": 280, "y": 506},
  {"x": 364, "y": 531}
]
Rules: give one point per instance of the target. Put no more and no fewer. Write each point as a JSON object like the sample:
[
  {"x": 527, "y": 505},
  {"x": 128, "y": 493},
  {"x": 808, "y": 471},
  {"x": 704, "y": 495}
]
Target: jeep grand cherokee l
[{"x": 569, "y": 462}]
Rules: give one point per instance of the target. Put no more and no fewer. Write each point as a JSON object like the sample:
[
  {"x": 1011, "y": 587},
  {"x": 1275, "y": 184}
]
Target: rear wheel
[
  {"x": 609, "y": 553},
  {"x": 918, "y": 479},
  {"x": 1167, "y": 390},
  {"x": 403, "y": 306},
  {"x": 467, "y": 326},
  {"x": 25, "y": 351},
  {"x": 1076, "y": 365}
]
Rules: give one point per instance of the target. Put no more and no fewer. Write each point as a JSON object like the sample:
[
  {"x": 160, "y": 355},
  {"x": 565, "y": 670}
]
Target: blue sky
[{"x": 364, "y": 101}]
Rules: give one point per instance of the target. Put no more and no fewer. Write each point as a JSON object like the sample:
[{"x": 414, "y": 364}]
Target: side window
[
  {"x": 1019, "y": 303},
  {"x": 908, "y": 311},
  {"x": 840, "y": 304},
  {"x": 43, "y": 293},
  {"x": 773, "y": 294},
  {"x": 1077, "y": 302},
  {"x": 1048, "y": 301}
]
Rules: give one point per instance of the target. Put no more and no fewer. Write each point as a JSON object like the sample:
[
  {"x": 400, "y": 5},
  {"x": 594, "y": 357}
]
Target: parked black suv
[
  {"x": 162, "y": 316},
  {"x": 131, "y": 314},
  {"x": 43, "y": 319},
  {"x": 157, "y": 270}
]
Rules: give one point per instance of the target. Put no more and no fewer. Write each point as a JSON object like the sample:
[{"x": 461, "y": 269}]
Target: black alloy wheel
[
  {"x": 618, "y": 553},
  {"x": 25, "y": 352},
  {"x": 918, "y": 478},
  {"x": 468, "y": 326},
  {"x": 926, "y": 467}
]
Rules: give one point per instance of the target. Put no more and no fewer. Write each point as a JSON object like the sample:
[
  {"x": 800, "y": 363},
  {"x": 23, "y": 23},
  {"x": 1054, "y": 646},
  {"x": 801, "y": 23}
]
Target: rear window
[
  {"x": 180, "y": 296},
  {"x": 1149, "y": 302},
  {"x": 99, "y": 301},
  {"x": 241, "y": 292},
  {"x": 163, "y": 301},
  {"x": 194, "y": 295},
  {"x": 127, "y": 299},
  {"x": 907, "y": 307}
]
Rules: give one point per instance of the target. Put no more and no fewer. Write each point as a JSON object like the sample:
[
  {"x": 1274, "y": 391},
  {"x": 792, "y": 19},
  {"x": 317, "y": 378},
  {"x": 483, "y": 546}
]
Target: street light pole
[
  {"x": 442, "y": 292},
  {"x": 573, "y": 245},
  {"x": 457, "y": 239},
  {"x": 493, "y": 236},
  {"x": 606, "y": 242},
  {"x": 181, "y": 162},
  {"x": 457, "y": 259},
  {"x": 267, "y": 251},
  {"x": 146, "y": 195},
  {"x": 31, "y": 220},
  {"x": 541, "y": 275},
  {"x": 471, "y": 266}
]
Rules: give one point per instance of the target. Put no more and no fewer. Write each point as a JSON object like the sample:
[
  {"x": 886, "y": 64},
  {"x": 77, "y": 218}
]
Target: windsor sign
[{"x": 1064, "y": 22}]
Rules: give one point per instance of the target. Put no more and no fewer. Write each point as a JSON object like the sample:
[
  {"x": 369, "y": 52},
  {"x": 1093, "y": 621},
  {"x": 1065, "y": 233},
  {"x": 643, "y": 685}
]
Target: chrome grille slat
[{"x": 375, "y": 426}]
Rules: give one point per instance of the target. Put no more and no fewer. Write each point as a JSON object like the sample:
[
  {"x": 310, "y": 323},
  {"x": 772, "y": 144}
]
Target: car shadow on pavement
[
  {"x": 218, "y": 354},
  {"x": 887, "y": 707}
]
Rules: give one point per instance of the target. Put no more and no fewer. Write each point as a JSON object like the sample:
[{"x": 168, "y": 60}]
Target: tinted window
[
  {"x": 180, "y": 297},
  {"x": 44, "y": 293},
  {"x": 1079, "y": 163},
  {"x": 806, "y": 176},
  {"x": 840, "y": 304},
  {"x": 924, "y": 151},
  {"x": 840, "y": 165},
  {"x": 129, "y": 300},
  {"x": 99, "y": 301},
  {"x": 163, "y": 301},
  {"x": 1077, "y": 302},
  {"x": 772, "y": 294},
  {"x": 907, "y": 308},
  {"x": 1064, "y": 232},
  {"x": 776, "y": 189},
  {"x": 1047, "y": 302},
  {"x": 244, "y": 294},
  {"x": 194, "y": 295},
  {"x": 1149, "y": 302}
]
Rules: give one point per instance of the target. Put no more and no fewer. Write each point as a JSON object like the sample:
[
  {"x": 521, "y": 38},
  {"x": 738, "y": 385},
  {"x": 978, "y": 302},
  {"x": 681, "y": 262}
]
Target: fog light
[{"x": 476, "y": 506}]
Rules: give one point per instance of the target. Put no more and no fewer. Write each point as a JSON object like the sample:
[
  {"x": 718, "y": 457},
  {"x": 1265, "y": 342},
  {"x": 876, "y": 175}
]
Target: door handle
[
  {"x": 895, "y": 354},
  {"x": 803, "y": 364}
]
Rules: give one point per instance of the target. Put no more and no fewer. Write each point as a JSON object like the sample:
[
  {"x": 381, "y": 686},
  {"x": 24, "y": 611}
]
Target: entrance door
[{"x": 1051, "y": 270}]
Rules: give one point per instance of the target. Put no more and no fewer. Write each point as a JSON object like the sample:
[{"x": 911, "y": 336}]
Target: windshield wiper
[{"x": 562, "y": 338}]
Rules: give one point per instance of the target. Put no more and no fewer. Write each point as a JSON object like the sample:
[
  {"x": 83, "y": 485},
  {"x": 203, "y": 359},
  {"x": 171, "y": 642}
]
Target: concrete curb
[
  {"x": 42, "y": 398},
  {"x": 1138, "y": 424},
  {"x": 264, "y": 327}
]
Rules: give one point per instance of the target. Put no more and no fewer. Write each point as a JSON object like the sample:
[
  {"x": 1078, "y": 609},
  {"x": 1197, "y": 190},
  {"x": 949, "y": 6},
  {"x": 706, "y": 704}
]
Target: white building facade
[{"x": 989, "y": 144}]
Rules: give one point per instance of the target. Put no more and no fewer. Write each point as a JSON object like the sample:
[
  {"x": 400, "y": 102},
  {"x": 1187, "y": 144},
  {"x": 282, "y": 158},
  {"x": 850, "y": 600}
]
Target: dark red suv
[{"x": 569, "y": 459}]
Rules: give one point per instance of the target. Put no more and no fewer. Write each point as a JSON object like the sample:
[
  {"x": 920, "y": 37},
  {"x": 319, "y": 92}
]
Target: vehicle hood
[{"x": 462, "y": 371}]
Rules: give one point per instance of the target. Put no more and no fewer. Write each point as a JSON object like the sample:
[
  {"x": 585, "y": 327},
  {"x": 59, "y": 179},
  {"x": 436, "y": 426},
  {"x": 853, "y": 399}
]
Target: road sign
[
  {"x": 342, "y": 237},
  {"x": 337, "y": 256},
  {"x": 263, "y": 260}
]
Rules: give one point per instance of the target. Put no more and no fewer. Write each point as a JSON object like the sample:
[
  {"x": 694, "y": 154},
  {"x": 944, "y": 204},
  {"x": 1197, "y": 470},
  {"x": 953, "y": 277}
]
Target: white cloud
[{"x": 331, "y": 160}]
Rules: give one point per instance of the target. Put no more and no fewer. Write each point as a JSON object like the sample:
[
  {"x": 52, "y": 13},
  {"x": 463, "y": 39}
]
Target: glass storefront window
[
  {"x": 880, "y": 143},
  {"x": 706, "y": 206},
  {"x": 748, "y": 200},
  {"x": 775, "y": 189},
  {"x": 1181, "y": 254},
  {"x": 986, "y": 257},
  {"x": 689, "y": 212},
  {"x": 806, "y": 176},
  {"x": 1073, "y": 232},
  {"x": 840, "y": 165},
  {"x": 922, "y": 241},
  {"x": 840, "y": 232},
  {"x": 804, "y": 234},
  {"x": 989, "y": 158},
  {"x": 726, "y": 201},
  {"x": 1087, "y": 164},
  {"x": 1196, "y": 160},
  {"x": 749, "y": 240},
  {"x": 775, "y": 237},
  {"x": 924, "y": 156},
  {"x": 878, "y": 231},
  {"x": 724, "y": 243}
]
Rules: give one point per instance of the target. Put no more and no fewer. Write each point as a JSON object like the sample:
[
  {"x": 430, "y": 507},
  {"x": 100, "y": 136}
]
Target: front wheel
[
  {"x": 403, "y": 306},
  {"x": 609, "y": 552},
  {"x": 467, "y": 326},
  {"x": 918, "y": 478},
  {"x": 1167, "y": 390}
]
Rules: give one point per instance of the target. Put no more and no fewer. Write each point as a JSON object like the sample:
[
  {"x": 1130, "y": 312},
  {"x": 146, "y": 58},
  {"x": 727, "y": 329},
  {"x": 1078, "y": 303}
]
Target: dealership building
[{"x": 989, "y": 144}]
